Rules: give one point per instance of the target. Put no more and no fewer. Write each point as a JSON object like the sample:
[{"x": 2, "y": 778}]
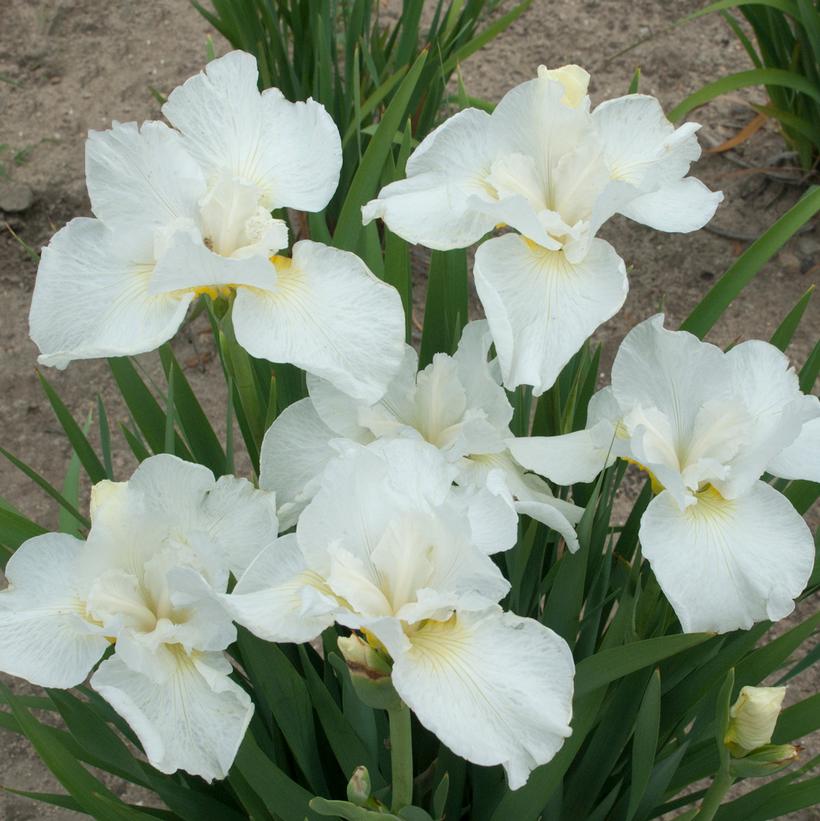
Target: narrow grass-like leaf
[
  {"x": 747, "y": 266},
  {"x": 445, "y": 313},
  {"x": 286, "y": 695},
  {"x": 366, "y": 179},
  {"x": 90, "y": 462},
  {"x": 194, "y": 423},
  {"x": 285, "y": 799},
  {"x": 149, "y": 417},
  {"x": 92, "y": 795},
  {"x": 65, "y": 504},
  {"x": 644, "y": 743},
  {"x": 616, "y": 662},
  {"x": 782, "y": 337},
  {"x": 744, "y": 79}
]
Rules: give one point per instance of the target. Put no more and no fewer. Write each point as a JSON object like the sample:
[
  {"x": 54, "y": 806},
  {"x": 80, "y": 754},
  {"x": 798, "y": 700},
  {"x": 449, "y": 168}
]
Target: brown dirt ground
[{"x": 78, "y": 64}]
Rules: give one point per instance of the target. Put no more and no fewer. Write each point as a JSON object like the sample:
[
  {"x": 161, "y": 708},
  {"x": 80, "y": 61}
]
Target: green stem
[
  {"x": 715, "y": 795},
  {"x": 401, "y": 757}
]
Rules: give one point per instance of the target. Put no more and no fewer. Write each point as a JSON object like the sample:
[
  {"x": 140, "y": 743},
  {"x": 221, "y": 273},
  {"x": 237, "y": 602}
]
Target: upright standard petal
[
  {"x": 91, "y": 297},
  {"x": 762, "y": 377},
  {"x": 329, "y": 315},
  {"x": 45, "y": 635},
  {"x": 295, "y": 451},
  {"x": 291, "y": 151},
  {"x": 725, "y": 564},
  {"x": 193, "y": 722},
  {"x": 494, "y": 687},
  {"x": 801, "y": 459},
  {"x": 141, "y": 177},
  {"x": 241, "y": 520},
  {"x": 433, "y": 205},
  {"x": 541, "y": 307}
]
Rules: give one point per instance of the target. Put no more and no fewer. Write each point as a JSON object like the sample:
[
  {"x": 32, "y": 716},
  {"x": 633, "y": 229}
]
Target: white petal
[
  {"x": 241, "y": 519},
  {"x": 491, "y": 512},
  {"x": 168, "y": 498},
  {"x": 186, "y": 263},
  {"x": 279, "y": 598},
  {"x": 91, "y": 298},
  {"x": 328, "y": 315},
  {"x": 801, "y": 459},
  {"x": 195, "y": 722},
  {"x": 672, "y": 371},
  {"x": 533, "y": 119},
  {"x": 432, "y": 206},
  {"x": 364, "y": 489},
  {"x": 565, "y": 460},
  {"x": 494, "y": 687},
  {"x": 764, "y": 380},
  {"x": 295, "y": 452},
  {"x": 683, "y": 206},
  {"x": 291, "y": 151},
  {"x": 45, "y": 636},
  {"x": 141, "y": 177},
  {"x": 481, "y": 378},
  {"x": 726, "y": 564},
  {"x": 641, "y": 146},
  {"x": 541, "y": 308}
]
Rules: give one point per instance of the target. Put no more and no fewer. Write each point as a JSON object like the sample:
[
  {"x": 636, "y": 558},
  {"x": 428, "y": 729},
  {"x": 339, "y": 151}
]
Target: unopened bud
[
  {"x": 358, "y": 788},
  {"x": 370, "y": 673},
  {"x": 752, "y": 719},
  {"x": 766, "y": 760}
]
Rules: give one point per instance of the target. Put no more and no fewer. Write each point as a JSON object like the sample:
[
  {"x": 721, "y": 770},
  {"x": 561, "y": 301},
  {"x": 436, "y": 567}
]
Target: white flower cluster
[{"x": 385, "y": 493}]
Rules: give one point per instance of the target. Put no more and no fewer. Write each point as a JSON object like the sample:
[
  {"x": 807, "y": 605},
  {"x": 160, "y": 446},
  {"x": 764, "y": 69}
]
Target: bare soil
[{"x": 75, "y": 65}]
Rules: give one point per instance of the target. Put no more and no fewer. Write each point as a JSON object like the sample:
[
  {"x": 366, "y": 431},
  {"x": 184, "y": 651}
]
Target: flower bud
[
  {"x": 766, "y": 760},
  {"x": 752, "y": 719},
  {"x": 370, "y": 673},
  {"x": 358, "y": 788}
]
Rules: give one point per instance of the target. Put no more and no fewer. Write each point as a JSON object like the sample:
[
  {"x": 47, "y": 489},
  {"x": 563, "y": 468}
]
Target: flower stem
[
  {"x": 714, "y": 795},
  {"x": 401, "y": 757}
]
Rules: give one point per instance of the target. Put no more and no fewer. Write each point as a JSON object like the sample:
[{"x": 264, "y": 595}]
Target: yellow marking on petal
[
  {"x": 574, "y": 79},
  {"x": 215, "y": 291},
  {"x": 374, "y": 642},
  {"x": 657, "y": 487}
]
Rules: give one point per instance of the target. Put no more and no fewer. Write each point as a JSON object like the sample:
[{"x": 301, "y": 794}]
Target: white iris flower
[
  {"x": 456, "y": 404},
  {"x": 546, "y": 166},
  {"x": 727, "y": 548},
  {"x": 147, "y": 580},
  {"x": 387, "y": 547},
  {"x": 187, "y": 210}
]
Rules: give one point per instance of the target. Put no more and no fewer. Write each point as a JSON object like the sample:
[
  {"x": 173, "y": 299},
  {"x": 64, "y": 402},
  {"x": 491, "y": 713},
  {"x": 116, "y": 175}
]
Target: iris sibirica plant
[{"x": 421, "y": 603}]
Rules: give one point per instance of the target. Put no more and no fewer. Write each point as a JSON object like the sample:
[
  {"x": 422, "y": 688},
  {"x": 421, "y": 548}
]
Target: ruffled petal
[
  {"x": 45, "y": 634},
  {"x": 291, "y": 151},
  {"x": 295, "y": 451},
  {"x": 193, "y": 722},
  {"x": 141, "y": 177}
]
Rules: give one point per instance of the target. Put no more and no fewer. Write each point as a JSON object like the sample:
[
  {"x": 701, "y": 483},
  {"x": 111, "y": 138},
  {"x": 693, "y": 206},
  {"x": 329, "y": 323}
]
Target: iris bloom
[
  {"x": 387, "y": 547},
  {"x": 727, "y": 548},
  {"x": 185, "y": 211},
  {"x": 147, "y": 580},
  {"x": 552, "y": 170},
  {"x": 456, "y": 404}
]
